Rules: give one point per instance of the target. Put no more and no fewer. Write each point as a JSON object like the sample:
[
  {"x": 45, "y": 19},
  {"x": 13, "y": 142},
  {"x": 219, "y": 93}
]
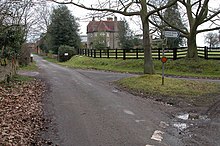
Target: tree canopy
[
  {"x": 63, "y": 29},
  {"x": 172, "y": 15},
  {"x": 13, "y": 28},
  {"x": 212, "y": 39},
  {"x": 196, "y": 13},
  {"x": 125, "y": 35}
]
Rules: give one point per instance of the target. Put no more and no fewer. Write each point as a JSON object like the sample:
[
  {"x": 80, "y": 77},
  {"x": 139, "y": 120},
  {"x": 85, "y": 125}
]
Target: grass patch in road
[
  {"x": 16, "y": 79},
  {"x": 30, "y": 67},
  {"x": 182, "y": 67},
  {"x": 118, "y": 65},
  {"x": 21, "y": 78},
  {"x": 174, "y": 90},
  {"x": 51, "y": 59}
]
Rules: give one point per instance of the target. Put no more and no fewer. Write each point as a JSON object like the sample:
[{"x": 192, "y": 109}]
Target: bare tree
[
  {"x": 197, "y": 13},
  {"x": 212, "y": 39},
  {"x": 10, "y": 24},
  {"x": 141, "y": 8},
  {"x": 42, "y": 13}
]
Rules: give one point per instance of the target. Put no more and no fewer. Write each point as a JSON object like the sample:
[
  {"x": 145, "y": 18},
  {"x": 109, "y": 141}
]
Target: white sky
[{"x": 82, "y": 14}]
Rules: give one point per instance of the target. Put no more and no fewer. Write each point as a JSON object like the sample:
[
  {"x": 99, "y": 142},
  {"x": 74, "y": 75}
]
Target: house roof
[{"x": 97, "y": 26}]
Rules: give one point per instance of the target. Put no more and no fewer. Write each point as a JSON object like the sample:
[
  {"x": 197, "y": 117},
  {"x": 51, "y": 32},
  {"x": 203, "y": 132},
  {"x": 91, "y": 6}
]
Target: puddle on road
[
  {"x": 180, "y": 126},
  {"x": 183, "y": 116},
  {"x": 138, "y": 121},
  {"x": 163, "y": 124},
  {"x": 115, "y": 91},
  {"x": 157, "y": 135},
  {"x": 192, "y": 116},
  {"x": 188, "y": 117}
]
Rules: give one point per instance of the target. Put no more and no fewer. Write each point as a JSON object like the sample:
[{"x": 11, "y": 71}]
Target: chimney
[
  {"x": 115, "y": 18},
  {"x": 93, "y": 18},
  {"x": 109, "y": 19}
]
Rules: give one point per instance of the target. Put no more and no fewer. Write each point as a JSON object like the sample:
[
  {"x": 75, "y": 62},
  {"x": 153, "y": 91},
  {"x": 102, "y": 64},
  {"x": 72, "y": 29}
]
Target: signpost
[
  {"x": 171, "y": 34},
  {"x": 167, "y": 34}
]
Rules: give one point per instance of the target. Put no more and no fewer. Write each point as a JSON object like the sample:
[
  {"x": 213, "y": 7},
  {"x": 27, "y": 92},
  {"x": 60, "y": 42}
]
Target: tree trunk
[
  {"x": 148, "y": 63},
  {"x": 192, "y": 47}
]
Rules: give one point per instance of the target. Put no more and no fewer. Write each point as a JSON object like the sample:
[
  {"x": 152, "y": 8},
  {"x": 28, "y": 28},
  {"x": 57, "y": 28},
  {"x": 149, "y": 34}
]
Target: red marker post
[
  {"x": 167, "y": 34},
  {"x": 163, "y": 60}
]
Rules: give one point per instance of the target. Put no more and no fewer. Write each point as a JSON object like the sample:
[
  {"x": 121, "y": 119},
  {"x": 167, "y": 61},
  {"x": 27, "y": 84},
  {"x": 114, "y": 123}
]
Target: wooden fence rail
[{"x": 170, "y": 53}]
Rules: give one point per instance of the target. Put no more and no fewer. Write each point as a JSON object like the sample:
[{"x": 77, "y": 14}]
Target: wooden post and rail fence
[{"x": 170, "y": 53}]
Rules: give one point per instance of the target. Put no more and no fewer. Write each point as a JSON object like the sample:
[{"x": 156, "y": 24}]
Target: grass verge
[
  {"x": 50, "y": 59},
  {"x": 201, "y": 68},
  {"x": 31, "y": 67},
  {"x": 194, "y": 92},
  {"x": 21, "y": 78},
  {"x": 118, "y": 65}
]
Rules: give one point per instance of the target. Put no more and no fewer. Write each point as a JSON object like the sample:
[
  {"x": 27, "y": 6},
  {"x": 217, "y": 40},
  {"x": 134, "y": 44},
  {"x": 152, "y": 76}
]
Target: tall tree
[
  {"x": 212, "y": 39},
  {"x": 125, "y": 35},
  {"x": 197, "y": 13},
  {"x": 63, "y": 29},
  {"x": 141, "y": 8},
  {"x": 172, "y": 15}
]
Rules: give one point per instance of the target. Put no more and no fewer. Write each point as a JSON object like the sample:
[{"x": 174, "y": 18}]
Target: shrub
[{"x": 66, "y": 52}]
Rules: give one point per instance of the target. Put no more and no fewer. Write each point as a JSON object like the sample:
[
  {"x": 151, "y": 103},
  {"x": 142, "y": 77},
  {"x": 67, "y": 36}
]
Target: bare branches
[
  {"x": 197, "y": 13},
  {"x": 124, "y": 10}
]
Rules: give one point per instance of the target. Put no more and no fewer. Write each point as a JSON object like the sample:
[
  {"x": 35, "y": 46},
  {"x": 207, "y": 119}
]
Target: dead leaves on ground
[{"x": 20, "y": 112}]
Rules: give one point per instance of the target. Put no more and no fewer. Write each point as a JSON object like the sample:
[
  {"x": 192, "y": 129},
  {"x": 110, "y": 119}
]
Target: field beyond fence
[{"x": 170, "y": 53}]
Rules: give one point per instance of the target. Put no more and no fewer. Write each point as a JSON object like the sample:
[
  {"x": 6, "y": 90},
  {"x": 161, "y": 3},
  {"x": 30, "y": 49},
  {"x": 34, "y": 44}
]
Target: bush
[{"x": 66, "y": 52}]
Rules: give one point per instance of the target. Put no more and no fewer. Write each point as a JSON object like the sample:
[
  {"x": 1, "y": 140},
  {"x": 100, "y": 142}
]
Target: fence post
[
  {"x": 174, "y": 53},
  {"x": 124, "y": 54},
  {"x": 136, "y": 53},
  {"x": 100, "y": 53},
  {"x": 116, "y": 53},
  {"x": 206, "y": 52},
  {"x": 91, "y": 52},
  {"x": 107, "y": 53},
  {"x": 159, "y": 54},
  {"x": 94, "y": 53},
  {"x": 85, "y": 52}
]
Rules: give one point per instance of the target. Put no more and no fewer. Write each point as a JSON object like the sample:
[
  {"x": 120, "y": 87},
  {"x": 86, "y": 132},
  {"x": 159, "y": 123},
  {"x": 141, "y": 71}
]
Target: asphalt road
[{"x": 87, "y": 110}]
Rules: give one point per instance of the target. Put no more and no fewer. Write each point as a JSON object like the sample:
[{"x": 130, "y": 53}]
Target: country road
[{"x": 87, "y": 110}]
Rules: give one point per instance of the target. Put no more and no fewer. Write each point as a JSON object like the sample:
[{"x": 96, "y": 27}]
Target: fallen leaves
[{"x": 20, "y": 112}]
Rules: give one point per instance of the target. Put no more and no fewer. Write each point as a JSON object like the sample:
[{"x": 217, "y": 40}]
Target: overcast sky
[{"x": 82, "y": 14}]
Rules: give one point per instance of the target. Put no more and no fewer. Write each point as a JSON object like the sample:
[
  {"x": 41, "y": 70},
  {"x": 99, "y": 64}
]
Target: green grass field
[
  {"x": 182, "y": 67},
  {"x": 174, "y": 90}
]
